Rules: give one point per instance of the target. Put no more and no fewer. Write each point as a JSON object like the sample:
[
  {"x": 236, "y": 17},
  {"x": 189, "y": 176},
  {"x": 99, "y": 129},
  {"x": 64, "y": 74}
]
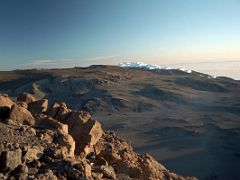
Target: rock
[
  {"x": 48, "y": 136},
  {"x": 52, "y": 110},
  {"x": 66, "y": 146},
  {"x": 50, "y": 123},
  {"x": 47, "y": 176},
  {"x": 25, "y": 97},
  {"x": 2, "y": 177},
  {"x": 107, "y": 171},
  {"x": 33, "y": 153},
  {"x": 87, "y": 169},
  {"x": 39, "y": 106},
  {"x": 22, "y": 104},
  {"x": 6, "y": 101},
  {"x": 4, "y": 112},
  {"x": 21, "y": 115},
  {"x": 30, "y": 130},
  {"x": 58, "y": 111},
  {"x": 10, "y": 160},
  {"x": 86, "y": 132}
]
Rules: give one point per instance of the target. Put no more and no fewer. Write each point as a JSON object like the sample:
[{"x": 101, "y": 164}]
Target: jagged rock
[
  {"x": 33, "y": 153},
  {"x": 6, "y": 101},
  {"x": 39, "y": 106},
  {"x": 10, "y": 160},
  {"x": 21, "y": 115},
  {"x": 85, "y": 131},
  {"x": 25, "y": 97},
  {"x": 58, "y": 111},
  {"x": 49, "y": 151},
  {"x": 50, "y": 123},
  {"x": 67, "y": 146}
]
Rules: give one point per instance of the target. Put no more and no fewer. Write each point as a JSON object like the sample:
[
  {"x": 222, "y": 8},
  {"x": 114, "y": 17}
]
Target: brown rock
[
  {"x": 47, "y": 176},
  {"x": 50, "y": 123},
  {"x": 5, "y": 101},
  {"x": 107, "y": 171},
  {"x": 86, "y": 132},
  {"x": 66, "y": 146},
  {"x": 10, "y": 159},
  {"x": 33, "y": 153},
  {"x": 22, "y": 104},
  {"x": 87, "y": 169},
  {"x": 39, "y": 106},
  {"x": 52, "y": 110},
  {"x": 25, "y": 97},
  {"x": 21, "y": 115}
]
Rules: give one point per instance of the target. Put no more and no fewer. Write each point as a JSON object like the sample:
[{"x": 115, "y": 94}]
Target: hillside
[
  {"x": 173, "y": 115},
  {"x": 38, "y": 141}
]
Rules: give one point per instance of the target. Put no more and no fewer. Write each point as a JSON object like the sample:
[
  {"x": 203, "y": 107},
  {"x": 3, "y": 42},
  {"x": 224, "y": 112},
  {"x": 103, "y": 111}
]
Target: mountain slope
[{"x": 174, "y": 115}]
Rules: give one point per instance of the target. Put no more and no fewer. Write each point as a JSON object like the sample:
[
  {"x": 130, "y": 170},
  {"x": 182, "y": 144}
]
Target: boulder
[
  {"x": 50, "y": 123},
  {"x": 21, "y": 115},
  {"x": 5, "y": 101},
  {"x": 25, "y": 97},
  {"x": 66, "y": 146},
  {"x": 33, "y": 153},
  {"x": 10, "y": 159},
  {"x": 85, "y": 131},
  {"x": 39, "y": 106},
  {"x": 58, "y": 111}
]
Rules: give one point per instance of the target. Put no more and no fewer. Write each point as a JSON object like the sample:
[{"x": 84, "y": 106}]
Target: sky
[{"x": 67, "y": 33}]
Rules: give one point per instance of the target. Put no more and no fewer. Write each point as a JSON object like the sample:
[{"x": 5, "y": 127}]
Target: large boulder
[
  {"x": 39, "y": 106},
  {"x": 10, "y": 159},
  {"x": 85, "y": 131},
  {"x": 50, "y": 123},
  {"x": 25, "y": 97},
  {"x": 20, "y": 115}
]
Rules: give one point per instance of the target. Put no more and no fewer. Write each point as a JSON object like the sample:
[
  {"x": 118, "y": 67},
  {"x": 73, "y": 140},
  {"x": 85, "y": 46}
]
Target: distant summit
[{"x": 150, "y": 66}]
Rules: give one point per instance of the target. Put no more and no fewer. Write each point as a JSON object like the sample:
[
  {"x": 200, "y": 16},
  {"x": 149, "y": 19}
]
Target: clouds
[{"x": 47, "y": 63}]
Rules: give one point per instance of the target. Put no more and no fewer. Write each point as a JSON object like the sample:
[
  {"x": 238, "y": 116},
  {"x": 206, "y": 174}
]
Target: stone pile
[{"x": 38, "y": 141}]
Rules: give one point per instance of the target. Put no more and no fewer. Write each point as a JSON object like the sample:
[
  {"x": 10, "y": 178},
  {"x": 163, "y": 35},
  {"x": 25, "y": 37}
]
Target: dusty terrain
[{"x": 188, "y": 122}]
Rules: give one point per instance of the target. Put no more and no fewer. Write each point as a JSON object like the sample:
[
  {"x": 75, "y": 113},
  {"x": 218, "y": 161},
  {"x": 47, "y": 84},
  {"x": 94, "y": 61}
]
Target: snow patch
[{"x": 150, "y": 66}]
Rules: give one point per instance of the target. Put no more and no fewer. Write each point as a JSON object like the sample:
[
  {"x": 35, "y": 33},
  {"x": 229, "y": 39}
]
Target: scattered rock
[{"x": 43, "y": 146}]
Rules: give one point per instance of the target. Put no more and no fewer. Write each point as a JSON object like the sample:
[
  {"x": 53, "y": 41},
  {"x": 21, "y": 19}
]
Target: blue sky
[{"x": 63, "y": 33}]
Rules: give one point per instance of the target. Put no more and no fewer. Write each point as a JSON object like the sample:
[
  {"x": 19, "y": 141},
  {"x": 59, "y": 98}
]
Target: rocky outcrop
[{"x": 55, "y": 142}]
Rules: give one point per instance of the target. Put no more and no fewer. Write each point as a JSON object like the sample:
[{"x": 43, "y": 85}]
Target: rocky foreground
[{"x": 38, "y": 141}]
